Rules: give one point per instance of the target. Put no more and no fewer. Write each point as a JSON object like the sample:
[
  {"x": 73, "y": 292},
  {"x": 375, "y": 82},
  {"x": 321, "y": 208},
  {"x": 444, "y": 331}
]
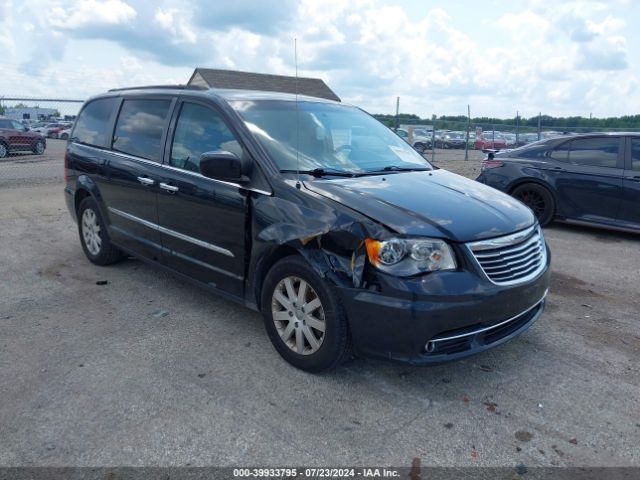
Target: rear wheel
[
  {"x": 303, "y": 317},
  {"x": 420, "y": 148},
  {"x": 93, "y": 235},
  {"x": 64, "y": 136},
  {"x": 538, "y": 199}
]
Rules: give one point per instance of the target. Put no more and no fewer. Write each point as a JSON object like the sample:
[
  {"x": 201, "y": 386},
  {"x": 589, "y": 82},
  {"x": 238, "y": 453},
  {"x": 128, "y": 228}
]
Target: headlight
[{"x": 404, "y": 257}]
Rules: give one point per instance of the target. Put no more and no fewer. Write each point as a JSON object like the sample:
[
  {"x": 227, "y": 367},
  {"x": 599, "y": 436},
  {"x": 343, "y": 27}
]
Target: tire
[
  {"x": 64, "y": 136},
  {"x": 4, "y": 150},
  {"x": 539, "y": 199},
  {"x": 93, "y": 235},
  {"x": 38, "y": 147},
  {"x": 291, "y": 335},
  {"x": 420, "y": 148}
]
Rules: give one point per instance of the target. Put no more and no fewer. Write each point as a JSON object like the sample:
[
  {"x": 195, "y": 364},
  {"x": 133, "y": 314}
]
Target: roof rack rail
[{"x": 153, "y": 87}]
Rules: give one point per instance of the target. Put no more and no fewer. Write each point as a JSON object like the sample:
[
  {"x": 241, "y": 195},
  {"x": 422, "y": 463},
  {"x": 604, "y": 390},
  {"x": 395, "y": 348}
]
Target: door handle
[
  {"x": 169, "y": 188},
  {"x": 146, "y": 181}
]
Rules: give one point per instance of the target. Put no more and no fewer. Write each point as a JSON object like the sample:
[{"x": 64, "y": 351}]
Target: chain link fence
[
  {"x": 33, "y": 133},
  {"x": 450, "y": 139}
]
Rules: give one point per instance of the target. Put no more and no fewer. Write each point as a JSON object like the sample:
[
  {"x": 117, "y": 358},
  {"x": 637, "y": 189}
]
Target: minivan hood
[{"x": 433, "y": 203}]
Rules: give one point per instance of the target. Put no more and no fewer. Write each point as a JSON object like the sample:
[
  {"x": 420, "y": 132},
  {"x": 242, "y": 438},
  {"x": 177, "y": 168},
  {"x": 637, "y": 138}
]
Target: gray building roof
[{"x": 213, "y": 78}]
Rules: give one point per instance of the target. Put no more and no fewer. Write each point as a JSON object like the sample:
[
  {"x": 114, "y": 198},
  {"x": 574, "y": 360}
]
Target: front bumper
[{"x": 441, "y": 317}]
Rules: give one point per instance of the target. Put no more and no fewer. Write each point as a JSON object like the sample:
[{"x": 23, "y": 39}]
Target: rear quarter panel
[{"x": 517, "y": 171}]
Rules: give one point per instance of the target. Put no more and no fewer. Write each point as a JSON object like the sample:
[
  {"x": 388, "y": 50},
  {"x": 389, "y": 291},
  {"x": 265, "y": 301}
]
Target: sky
[{"x": 561, "y": 58}]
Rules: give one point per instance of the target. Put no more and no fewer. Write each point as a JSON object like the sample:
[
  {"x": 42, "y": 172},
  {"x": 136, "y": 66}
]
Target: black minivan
[{"x": 311, "y": 212}]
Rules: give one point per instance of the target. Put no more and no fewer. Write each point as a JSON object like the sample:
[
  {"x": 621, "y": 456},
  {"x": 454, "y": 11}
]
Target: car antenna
[{"x": 295, "y": 59}]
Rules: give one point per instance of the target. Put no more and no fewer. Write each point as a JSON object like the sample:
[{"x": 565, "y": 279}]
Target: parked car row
[
  {"x": 424, "y": 139},
  {"x": 496, "y": 140},
  {"x": 488, "y": 140},
  {"x": 53, "y": 129}
]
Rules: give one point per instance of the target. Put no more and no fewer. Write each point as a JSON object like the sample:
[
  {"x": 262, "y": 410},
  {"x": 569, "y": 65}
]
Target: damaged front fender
[{"x": 330, "y": 236}]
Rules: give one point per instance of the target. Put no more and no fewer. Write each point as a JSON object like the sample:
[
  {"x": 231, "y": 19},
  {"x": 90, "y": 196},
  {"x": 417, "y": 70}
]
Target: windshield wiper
[
  {"x": 322, "y": 172},
  {"x": 395, "y": 168}
]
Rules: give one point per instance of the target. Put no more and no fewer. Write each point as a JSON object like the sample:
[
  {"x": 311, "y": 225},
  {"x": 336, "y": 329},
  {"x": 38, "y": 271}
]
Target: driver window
[{"x": 200, "y": 129}]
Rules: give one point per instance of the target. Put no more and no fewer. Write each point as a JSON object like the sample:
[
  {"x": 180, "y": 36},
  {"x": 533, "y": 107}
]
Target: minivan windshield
[{"x": 314, "y": 136}]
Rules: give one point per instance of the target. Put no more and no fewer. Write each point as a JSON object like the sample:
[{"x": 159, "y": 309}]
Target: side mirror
[
  {"x": 222, "y": 165},
  {"x": 26, "y": 129}
]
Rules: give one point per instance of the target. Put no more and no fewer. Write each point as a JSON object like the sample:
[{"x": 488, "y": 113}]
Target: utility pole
[
  {"x": 539, "y": 120},
  {"x": 466, "y": 144},
  {"x": 433, "y": 138},
  {"x": 397, "y": 113}
]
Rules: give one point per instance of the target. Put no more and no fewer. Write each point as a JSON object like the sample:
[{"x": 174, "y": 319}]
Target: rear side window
[
  {"x": 535, "y": 152},
  {"x": 597, "y": 152},
  {"x": 140, "y": 127},
  {"x": 92, "y": 126},
  {"x": 635, "y": 155},
  {"x": 561, "y": 152}
]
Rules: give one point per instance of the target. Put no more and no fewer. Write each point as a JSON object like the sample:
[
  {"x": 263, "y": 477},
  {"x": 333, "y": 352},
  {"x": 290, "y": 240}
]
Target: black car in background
[
  {"x": 586, "y": 179},
  {"x": 311, "y": 212},
  {"x": 452, "y": 140}
]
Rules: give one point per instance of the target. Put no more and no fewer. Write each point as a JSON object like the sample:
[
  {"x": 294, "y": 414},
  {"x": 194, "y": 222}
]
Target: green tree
[{"x": 547, "y": 122}]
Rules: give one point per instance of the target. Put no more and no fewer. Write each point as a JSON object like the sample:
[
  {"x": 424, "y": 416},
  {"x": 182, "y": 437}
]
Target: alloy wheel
[
  {"x": 298, "y": 315},
  {"x": 39, "y": 148},
  {"x": 533, "y": 200},
  {"x": 3, "y": 151},
  {"x": 91, "y": 231}
]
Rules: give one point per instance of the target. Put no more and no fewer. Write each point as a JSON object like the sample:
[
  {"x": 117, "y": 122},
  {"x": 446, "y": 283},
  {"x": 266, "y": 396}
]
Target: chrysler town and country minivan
[{"x": 311, "y": 212}]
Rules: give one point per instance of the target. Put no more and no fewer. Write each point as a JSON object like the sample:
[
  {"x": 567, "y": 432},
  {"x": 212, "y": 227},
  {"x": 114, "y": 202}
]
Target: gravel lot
[{"x": 148, "y": 370}]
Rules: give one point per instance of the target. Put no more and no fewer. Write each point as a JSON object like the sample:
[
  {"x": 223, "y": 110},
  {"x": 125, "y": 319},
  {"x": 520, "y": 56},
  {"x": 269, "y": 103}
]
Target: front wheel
[
  {"x": 93, "y": 235},
  {"x": 420, "y": 148},
  {"x": 303, "y": 317},
  {"x": 38, "y": 147},
  {"x": 4, "y": 151},
  {"x": 538, "y": 199}
]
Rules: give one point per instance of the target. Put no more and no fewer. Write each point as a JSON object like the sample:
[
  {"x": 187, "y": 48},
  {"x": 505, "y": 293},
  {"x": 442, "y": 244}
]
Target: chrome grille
[{"x": 513, "y": 258}]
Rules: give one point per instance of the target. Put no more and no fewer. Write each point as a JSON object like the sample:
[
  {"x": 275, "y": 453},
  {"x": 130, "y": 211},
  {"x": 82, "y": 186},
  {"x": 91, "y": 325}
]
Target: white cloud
[
  {"x": 176, "y": 25},
  {"x": 539, "y": 55},
  {"x": 83, "y": 13}
]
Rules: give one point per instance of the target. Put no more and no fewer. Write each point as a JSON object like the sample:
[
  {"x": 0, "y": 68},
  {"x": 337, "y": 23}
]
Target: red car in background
[
  {"x": 15, "y": 137},
  {"x": 490, "y": 141}
]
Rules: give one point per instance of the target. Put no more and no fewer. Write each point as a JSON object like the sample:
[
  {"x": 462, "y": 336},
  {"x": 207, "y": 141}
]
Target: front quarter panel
[{"x": 327, "y": 234}]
